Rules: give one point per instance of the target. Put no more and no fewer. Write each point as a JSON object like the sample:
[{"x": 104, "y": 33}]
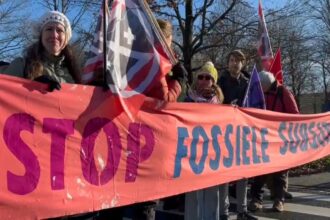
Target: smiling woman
[{"x": 50, "y": 59}]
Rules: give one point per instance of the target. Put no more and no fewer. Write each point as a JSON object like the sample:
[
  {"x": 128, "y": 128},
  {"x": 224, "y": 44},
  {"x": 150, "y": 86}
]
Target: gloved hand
[
  {"x": 208, "y": 92},
  {"x": 52, "y": 83},
  {"x": 180, "y": 74}
]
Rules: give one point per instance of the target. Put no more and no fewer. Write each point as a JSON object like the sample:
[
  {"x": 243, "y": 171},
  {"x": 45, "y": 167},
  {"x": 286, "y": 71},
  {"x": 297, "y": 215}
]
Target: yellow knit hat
[{"x": 209, "y": 68}]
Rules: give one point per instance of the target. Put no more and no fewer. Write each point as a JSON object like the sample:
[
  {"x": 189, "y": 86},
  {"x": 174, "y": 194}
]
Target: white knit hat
[
  {"x": 266, "y": 79},
  {"x": 58, "y": 17}
]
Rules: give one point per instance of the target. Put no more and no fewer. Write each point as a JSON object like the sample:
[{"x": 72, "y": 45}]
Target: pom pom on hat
[
  {"x": 209, "y": 68},
  {"x": 266, "y": 79},
  {"x": 58, "y": 17}
]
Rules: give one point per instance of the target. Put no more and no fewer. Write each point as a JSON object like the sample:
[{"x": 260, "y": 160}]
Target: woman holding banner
[
  {"x": 204, "y": 204},
  {"x": 50, "y": 59}
]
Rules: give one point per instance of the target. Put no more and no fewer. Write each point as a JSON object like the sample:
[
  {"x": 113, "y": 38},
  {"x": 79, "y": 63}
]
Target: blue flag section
[{"x": 254, "y": 96}]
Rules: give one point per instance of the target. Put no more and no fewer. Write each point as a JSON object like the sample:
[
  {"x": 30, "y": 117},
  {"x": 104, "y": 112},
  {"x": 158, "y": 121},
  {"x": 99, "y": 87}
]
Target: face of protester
[
  {"x": 235, "y": 66},
  {"x": 204, "y": 80},
  {"x": 53, "y": 38}
]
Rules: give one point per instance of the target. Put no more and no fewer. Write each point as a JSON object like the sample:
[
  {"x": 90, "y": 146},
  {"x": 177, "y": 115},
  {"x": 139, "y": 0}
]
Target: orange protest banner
[{"x": 73, "y": 151}]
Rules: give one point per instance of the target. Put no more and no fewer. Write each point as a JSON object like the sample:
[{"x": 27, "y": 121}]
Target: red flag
[
  {"x": 264, "y": 47},
  {"x": 276, "y": 67}
]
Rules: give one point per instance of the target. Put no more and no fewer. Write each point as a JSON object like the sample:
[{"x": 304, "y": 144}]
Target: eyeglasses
[{"x": 202, "y": 77}]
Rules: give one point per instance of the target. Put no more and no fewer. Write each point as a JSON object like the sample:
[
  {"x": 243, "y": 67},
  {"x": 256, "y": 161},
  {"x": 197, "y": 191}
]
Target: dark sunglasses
[{"x": 206, "y": 77}]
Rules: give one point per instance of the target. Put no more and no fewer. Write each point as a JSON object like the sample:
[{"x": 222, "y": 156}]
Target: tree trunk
[{"x": 187, "y": 38}]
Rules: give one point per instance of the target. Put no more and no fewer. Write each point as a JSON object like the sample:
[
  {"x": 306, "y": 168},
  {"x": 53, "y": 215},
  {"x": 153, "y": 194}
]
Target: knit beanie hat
[
  {"x": 58, "y": 17},
  {"x": 266, "y": 79},
  {"x": 209, "y": 68}
]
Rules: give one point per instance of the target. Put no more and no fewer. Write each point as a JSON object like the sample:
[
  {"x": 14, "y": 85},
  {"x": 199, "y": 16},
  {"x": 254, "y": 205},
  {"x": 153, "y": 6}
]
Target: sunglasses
[{"x": 202, "y": 77}]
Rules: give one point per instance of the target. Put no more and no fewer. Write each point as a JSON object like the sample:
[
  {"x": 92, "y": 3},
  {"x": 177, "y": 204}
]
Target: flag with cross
[{"x": 136, "y": 54}]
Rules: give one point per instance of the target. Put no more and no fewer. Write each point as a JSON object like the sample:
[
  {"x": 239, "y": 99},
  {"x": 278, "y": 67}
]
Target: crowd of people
[{"x": 50, "y": 60}]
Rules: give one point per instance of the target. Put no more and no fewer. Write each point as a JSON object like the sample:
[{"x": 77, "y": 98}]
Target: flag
[
  {"x": 264, "y": 47},
  {"x": 138, "y": 55},
  {"x": 136, "y": 52},
  {"x": 254, "y": 96},
  {"x": 95, "y": 55},
  {"x": 276, "y": 67}
]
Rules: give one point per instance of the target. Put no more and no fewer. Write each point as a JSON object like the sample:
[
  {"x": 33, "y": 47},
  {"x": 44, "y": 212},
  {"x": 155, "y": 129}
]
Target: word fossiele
[{"x": 296, "y": 137}]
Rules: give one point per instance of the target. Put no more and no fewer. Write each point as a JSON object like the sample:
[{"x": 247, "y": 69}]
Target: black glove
[
  {"x": 52, "y": 83},
  {"x": 180, "y": 74}
]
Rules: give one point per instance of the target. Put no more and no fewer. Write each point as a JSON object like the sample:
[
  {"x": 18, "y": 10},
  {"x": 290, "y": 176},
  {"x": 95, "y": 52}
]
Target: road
[{"x": 311, "y": 201}]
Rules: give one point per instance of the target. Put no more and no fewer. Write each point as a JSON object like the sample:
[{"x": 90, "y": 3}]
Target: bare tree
[
  {"x": 237, "y": 31},
  {"x": 320, "y": 15},
  {"x": 195, "y": 20},
  {"x": 12, "y": 24}
]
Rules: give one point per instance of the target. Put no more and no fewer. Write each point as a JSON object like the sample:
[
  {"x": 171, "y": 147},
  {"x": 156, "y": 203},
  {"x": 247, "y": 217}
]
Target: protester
[
  {"x": 50, "y": 59},
  {"x": 279, "y": 99},
  {"x": 170, "y": 87},
  {"x": 234, "y": 82},
  {"x": 204, "y": 204},
  {"x": 173, "y": 86}
]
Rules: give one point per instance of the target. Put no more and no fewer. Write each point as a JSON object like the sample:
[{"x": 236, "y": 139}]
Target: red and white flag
[
  {"x": 264, "y": 47},
  {"x": 136, "y": 52},
  {"x": 276, "y": 67},
  {"x": 138, "y": 55}
]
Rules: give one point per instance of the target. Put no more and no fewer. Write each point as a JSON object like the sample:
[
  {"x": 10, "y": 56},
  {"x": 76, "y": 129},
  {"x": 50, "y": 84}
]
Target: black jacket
[{"x": 233, "y": 89}]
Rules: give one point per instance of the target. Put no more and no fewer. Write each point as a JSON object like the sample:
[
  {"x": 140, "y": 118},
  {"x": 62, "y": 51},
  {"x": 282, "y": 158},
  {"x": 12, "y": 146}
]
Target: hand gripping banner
[{"x": 73, "y": 151}]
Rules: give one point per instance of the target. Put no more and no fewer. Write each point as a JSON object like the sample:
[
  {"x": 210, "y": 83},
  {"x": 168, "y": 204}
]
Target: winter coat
[
  {"x": 53, "y": 66},
  {"x": 165, "y": 89},
  {"x": 280, "y": 99},
  {"x": 233, "y": 88}
]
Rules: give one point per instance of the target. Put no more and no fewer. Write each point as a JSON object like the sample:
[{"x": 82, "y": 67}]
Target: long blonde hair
[{"x": 34, "y": 65}]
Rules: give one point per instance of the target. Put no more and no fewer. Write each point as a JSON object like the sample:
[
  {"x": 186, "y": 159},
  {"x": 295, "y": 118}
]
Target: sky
[{"x": 269, "y": 4}]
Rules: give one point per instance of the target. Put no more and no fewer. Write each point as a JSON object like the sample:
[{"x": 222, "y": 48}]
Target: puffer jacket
[{"x": 53, "y": 66}]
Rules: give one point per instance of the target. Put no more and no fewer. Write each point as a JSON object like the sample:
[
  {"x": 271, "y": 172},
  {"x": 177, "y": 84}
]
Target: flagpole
[{"x": 105, "y": 7}]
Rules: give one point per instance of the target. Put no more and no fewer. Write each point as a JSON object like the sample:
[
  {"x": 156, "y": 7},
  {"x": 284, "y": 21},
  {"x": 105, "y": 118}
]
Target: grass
[{"x": 317, "y": 166}]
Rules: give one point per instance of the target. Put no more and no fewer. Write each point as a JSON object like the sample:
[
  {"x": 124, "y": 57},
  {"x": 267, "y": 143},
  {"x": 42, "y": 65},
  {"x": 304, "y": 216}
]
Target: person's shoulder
[
  {"x": 224, "y": 75},
  {"x": 3, "y": 66},
  {"x": 245, "y": 75},
  {"x": 16, "y": 67},
  {"x": 285, "y": 91},
  {"x": 18, "y": 60}
]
